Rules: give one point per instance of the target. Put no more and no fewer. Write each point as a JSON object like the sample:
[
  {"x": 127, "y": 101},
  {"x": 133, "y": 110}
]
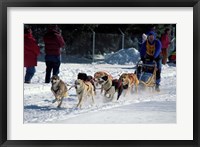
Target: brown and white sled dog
[
  {"x": 59, "y": 89},
  {"x": 128, "y": 81},
  {"x": 97, "y": 78},
  {"x": 111, "y": 86},
  {"x": 83, "y": 90}
]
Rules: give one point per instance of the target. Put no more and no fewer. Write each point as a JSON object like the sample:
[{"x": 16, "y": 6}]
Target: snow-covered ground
[{"x": 141, "y": 108}]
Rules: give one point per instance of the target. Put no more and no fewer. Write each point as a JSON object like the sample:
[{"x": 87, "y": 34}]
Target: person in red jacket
[
  {"x": 165, "y": 45},
  {"x": 31, "y": 52},
  {"x": 53, "y": 43}
]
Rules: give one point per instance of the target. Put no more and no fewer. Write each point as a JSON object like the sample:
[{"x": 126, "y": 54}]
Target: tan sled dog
[
  {"x": 128, "y": 81},
  {"x": 106, "y": 84},
  {"x": 97, "y": 78},
  {"x": 59, "y": 89},
  {"x": 83, "y": 89}
]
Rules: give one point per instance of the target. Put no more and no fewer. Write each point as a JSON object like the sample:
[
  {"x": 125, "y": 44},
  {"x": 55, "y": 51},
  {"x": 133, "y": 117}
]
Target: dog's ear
[
  {"x": 77, "y": 82},
  {"x": 105, "y": 78},
  {"x": 58, "y": 77},
  {"x": 55, "y": 77}
]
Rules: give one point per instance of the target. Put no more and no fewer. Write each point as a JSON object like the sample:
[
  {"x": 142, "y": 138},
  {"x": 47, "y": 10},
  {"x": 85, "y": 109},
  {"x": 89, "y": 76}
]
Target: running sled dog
[
  {"x": 98, "y": 78},
  {"x": 111, "y": 86},
  {"x": 129, "y": 80},
  {"x": 83, "y": 90},
  {"x": 59, "y": 89}
]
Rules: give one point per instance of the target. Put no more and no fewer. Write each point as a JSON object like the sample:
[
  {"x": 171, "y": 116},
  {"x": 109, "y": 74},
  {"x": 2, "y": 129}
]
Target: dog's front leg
[
  {"x": 93, "y": 99},
  {"x": 112, "y": 96},
  {"x": 125, "y": 93},
  {"x": 80, "y": 101},
  {"x": 54, "y": 100},
  {"x": 53, "y": 92},
  {"x": 60, "y": 102},
  {"x": 59, "y": 93},
  {"x": 101, "y": 89},
  {"x": 132, "y": 89},
  {"x": 105, "y": 94},
  {"x": 54, "y": 96},
  {"x": 136, "y": 88},
  {"x": 119, "y": 92}
]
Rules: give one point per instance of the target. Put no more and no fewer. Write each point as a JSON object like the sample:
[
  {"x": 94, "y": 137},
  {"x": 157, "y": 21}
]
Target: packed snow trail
[{"x": 143, "y": 107}]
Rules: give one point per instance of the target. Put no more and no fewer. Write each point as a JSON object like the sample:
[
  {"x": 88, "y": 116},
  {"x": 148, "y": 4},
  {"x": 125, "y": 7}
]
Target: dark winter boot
[
  {"x": 157, "y": 88},
  {"x": 27, "y": 82}
]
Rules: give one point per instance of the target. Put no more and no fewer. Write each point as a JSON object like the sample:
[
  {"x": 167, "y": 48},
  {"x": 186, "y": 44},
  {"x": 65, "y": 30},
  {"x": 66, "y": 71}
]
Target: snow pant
[
  {"x": 165, "y": 55},
  {"x": 50, "y": 65},
  {"x": 30, "y": 71},
  {"x": 158, "y": 72}
]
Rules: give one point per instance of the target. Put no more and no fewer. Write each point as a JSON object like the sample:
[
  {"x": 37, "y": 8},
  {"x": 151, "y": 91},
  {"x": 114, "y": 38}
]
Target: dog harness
[
  {"x": 86, "y": 85},
  {"x": 109, "y": 87},
  {"x": 150, "y": 48}
]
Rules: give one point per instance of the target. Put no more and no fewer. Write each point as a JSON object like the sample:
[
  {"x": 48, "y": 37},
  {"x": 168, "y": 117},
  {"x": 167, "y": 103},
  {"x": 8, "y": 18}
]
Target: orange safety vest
[{"x": 150, "y": 48}]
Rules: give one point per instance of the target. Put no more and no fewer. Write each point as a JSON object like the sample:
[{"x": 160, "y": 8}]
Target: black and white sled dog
[{"x": 111, "y": 86}]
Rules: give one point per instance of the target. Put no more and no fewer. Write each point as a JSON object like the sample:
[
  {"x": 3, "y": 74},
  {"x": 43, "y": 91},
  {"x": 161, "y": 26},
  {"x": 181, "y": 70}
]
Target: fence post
[
  {"x": 93, "y": 46},
  {"x": 122, "y": 38}
]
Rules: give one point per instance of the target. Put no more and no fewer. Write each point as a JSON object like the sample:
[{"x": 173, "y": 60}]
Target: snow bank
[{"x": 123, "y": 56}]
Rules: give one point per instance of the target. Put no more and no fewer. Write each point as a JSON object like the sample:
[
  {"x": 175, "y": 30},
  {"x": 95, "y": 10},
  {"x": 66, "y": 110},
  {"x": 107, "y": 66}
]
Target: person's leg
[
  {"x": 56, "y": 67},
  {"x": 49, "y": 67},
  {"x": 158, "y": 74},
  {"x": 164, "y": 53},
  {"x": 30, "y": 71}
]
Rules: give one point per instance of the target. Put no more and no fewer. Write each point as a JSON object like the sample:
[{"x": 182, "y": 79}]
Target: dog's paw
[{"x": 54, "y": 100}]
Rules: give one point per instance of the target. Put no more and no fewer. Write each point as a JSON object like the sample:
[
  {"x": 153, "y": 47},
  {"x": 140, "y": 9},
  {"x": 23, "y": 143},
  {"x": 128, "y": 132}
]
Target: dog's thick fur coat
[
  {"x": 83, "y": 89},
  {"x": 97, "y": 78},
  {"x": 59, "y": 89},
  {"x": 128, "y": 81},
  {"x": 111, "y": 86}
]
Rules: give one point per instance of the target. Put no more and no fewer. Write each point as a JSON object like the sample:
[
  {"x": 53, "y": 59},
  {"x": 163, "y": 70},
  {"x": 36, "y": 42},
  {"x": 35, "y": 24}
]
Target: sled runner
[{"x": 146, "y": 73}]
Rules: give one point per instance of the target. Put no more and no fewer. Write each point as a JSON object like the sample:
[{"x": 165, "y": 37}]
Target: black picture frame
[{"x": 4, "y": 4}]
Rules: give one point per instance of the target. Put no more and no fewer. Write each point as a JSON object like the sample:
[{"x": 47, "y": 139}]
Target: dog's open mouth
[{"x": 100, "y": 82}]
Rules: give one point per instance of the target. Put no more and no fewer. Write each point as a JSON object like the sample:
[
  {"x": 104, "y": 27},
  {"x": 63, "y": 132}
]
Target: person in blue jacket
[{"x": 150, "y": 51}]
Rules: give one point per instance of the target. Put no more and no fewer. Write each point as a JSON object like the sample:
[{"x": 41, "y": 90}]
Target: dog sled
[{"x": 146, "y": 73}]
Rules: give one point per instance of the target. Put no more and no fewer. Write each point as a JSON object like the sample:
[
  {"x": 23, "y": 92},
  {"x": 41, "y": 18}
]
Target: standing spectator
[
  {"x": 31, "y": 52},
  {"x": 53, "y": 43},
  {"x": 165, "y": 45},
  {"x": 150, "y": 51}
]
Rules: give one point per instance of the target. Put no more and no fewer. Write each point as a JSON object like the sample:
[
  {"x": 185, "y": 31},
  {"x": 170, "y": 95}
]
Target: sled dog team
[{"x": 86, "y": 86}]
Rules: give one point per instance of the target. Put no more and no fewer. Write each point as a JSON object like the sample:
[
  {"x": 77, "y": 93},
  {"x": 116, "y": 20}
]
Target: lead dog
[
  {"x": 59, "y": 89},
  {"x": 83, "y": 89},
  {"x": 128, "y": 81}
]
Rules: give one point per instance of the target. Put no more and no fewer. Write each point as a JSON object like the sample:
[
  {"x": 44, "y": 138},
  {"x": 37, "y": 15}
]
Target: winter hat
[{"x": 151, "y": 33}]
